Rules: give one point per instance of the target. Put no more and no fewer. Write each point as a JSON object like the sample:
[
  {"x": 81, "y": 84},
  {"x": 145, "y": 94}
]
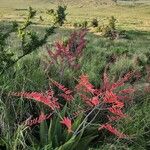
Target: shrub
[
  {"x": 94, "y": 23},
  {"x": 110, "y": 30},
  {"x": 29, "y": 39},
  {"x": 84, "y": 24},
  {"x": 112, "y": 23},
  {"x": 59, "y": 16}
]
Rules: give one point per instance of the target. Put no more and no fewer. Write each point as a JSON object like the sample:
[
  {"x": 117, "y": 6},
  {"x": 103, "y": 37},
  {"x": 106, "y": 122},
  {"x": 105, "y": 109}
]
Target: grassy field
[
  {"x": 122, "y": 55},
  {"x": 128, "y": 16}
]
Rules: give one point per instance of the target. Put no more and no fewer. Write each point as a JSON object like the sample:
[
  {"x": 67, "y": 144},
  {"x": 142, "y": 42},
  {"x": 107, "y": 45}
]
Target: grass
[
  {"x": 127, "y": 15},
  {"x": 28, "y": 74}
]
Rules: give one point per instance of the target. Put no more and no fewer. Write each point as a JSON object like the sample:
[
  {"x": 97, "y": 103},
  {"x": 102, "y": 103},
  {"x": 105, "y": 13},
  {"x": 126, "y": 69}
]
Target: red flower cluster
[
  {"x": 69, "y": 54},
  {"x": 67, "y": 122},
  {"x": 45, "y": 98},
  {"x": 84, "y": 85},
  {"x": 67, "y": 95},
  {"x": 112, "y": 130},
  {"x": 106, "y": 96},
  {"x": 41, "y": 118}
]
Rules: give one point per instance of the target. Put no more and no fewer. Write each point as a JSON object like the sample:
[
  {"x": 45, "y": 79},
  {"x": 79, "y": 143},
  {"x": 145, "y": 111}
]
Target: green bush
[
  {"x": 94, "y": 23},
  {"x": 59, "y": 16}
]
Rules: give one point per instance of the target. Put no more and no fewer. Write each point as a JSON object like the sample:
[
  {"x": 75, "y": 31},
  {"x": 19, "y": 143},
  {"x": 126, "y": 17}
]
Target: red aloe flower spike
[
  {"x": 122, "y": 81},
  {"x": 118, "y": 104},
  {"x": 91, "y": 102},
  {"x": 43, "y": 98},
  {"x": 110, "y": 97},
  {"x": 95, "y": 101},
  {"x": 85, "y": 85},
  {"x": 68, "y": 55},
  {"x": 67, "y": 97},
  {"x": 61, "y": 87},
  {"x": 127, "y": 91},
  {"x": 114, "y": 118},
  {"x": 117, "y": 111},
  {"x": 67, "y": 122},
  {"x": 42, "y": 117},
  {"x": 112, "y": 130}
]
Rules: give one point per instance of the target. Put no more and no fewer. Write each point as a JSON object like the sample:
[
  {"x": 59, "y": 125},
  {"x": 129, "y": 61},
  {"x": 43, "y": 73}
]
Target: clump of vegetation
[
  {"x": 77, "y": 119},
  {"x": 94, "y": 23},
  {"x": 110, "y": 30},
  {"x": 29, "y": 39},
  {"x": 5, "y": 56},
  {"x": 59, "y": 16},
  {"x": 68, "y": 54},
  {"x": 84, "y": 24}
]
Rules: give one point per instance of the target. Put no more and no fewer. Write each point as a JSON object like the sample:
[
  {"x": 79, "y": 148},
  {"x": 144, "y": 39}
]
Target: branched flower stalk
[
  {"x": 69, "y": 54},
  {"x": 106, "y": 98}
]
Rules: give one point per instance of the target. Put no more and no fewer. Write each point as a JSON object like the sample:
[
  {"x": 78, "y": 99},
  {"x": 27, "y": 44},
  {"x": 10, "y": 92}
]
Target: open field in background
[
  {"x": 128, "y": 15},
  {"x": 122, "y": 54}
]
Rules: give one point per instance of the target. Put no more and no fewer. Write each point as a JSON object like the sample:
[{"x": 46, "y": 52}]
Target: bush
[
  {"x": 59, "y": 16},
  {"x": 94, "y": 23},
  {"x": 29, "y": 39},
  {"x": 84, "y": 24},
  {"x": 112, "y": 23}
]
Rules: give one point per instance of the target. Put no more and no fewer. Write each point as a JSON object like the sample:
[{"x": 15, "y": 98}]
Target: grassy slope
[
  {"x": 31, "y": 78},
  {"x": 98, "y": 51}
]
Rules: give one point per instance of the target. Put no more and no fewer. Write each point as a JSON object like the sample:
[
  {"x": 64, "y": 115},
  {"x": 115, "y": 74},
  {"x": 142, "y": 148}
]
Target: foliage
[
  {"x": 59, "y": 16},
  {"x": 29, "y": 39},
  {"x": 94, "y": 101},
  {"x": 94, "y": 23},
  {"x": 110, "y": 29},
  {"x": 122, "y": 54},
  {"x": 84, "y": 24},
  {"x": 6, "y": 57}
]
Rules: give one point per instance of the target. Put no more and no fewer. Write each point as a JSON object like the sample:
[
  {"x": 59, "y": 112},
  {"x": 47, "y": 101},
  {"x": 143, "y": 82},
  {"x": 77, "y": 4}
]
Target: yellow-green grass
[{"x": 128, "y": 16}]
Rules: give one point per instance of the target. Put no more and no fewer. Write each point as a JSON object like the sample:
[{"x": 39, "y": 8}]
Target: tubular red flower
[
  {"x": 68, "y": 98},
  {"x": 67, "y": 122},
  {"x": 112, "y": 130},
  {"x": 95, "y": 101},
  {"x": 44, "y": 98},
  {"x": 110, "y": 97},
  {"x": 117, "y": 111},
  {"x": 70, "y": 53},
  {"x": 122, "y": 81},
  {"x": 62, "y": 87},
  {"x": 40, "y": 119},
  {"x": 85, "y": 85}
]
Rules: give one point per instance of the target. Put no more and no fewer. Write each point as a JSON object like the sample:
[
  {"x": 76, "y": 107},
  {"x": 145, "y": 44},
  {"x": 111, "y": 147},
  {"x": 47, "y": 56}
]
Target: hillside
[{"x": 46, "y": 3}]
